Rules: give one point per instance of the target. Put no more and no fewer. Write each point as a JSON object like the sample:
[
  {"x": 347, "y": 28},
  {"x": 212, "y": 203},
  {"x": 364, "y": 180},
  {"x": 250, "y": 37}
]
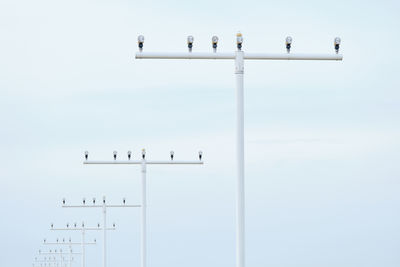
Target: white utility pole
[
  {"x": 143, "y": 163},
  {"x": 60, "y": 253},
  {"x": 104, "y": 207},
  {"x": 83, "y": 243},
  {"x": 239, "y": 57},
  {"x": 47, "y": 264},
  {"x": 53, "y": 261}
]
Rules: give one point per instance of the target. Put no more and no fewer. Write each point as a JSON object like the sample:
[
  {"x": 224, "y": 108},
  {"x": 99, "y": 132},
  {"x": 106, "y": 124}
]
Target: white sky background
[{"x": 322, "y": 138}]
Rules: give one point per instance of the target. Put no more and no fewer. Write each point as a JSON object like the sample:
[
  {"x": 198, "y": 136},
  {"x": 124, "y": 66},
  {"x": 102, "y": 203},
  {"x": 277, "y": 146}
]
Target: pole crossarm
[
  {"x": 81, "y": 229},
  {"x": 60, "y": 253},
  {"x": 48, "y": 260},
  {"x": 57, "y": 251},
  {"x": 70, "y": 243},
  {"x": 249, "y": 56},
  {"x": 137, "y": 162},
  {"x": 100, "y": 206},
  {"x": 56, "y": 260}
]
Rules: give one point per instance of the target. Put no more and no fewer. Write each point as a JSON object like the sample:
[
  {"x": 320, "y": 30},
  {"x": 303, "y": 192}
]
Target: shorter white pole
[
  {"x": 143, "y": 224},
  {"x": 61, "y": 257},
  {"x": 70, "y": 256},
  {"x": 143, "y": 162},
  {"x": 83, "y": 247},
  {"x": 104, "y": 232},
  {"x": 104, "y": 207}
]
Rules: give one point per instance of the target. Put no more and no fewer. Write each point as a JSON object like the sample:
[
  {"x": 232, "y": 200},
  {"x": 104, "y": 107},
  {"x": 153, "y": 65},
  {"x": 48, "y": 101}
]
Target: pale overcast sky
[{"x": 322, "y": 138}]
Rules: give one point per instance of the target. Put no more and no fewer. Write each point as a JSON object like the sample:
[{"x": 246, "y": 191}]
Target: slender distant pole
[
  {"x": 104, "y": 233},
  {"x": 83, "y": 247},
  {"x": 61, "y": 258},
  {"x": 70, "y": 256},
  {"x": 143, "y": 223}
]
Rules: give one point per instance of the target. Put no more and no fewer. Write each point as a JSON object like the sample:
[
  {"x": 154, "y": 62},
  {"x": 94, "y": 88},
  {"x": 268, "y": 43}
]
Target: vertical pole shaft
[
  {"x": 143, "y": 224},
  {"x": 104, "y": 233},
  {"x": 83, "y": 246},
  {"x": 240, "y": 206},
  {"x": 70, "y": 256}
]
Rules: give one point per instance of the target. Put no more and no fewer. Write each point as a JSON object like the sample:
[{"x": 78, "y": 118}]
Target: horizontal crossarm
[
  {"x": 137, "y": 162},
  {"x": 249, "y": 56}
]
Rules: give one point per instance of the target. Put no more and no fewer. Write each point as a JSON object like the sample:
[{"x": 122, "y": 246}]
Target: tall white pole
[
  {"x": 83, "y": 247},
  {"x": 240, "y": 239},
  {"x": 239, "y": 58},
  {"x": 143, "y": 224},
  {"x": 104, "y": 232}
]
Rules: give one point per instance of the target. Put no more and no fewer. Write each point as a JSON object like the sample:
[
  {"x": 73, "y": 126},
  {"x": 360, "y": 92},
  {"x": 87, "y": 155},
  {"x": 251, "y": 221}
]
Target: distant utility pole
[
  {"x": 104, "y": 207},
  {"x": 47, "y": 264},
  {"x": 83, "y": 243},
  {"x": 239, "y": 57},
  {"x": 61, "y": 254},
  {"x": 52, "y": 260},
  {"x": 143, "y": 163}
]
